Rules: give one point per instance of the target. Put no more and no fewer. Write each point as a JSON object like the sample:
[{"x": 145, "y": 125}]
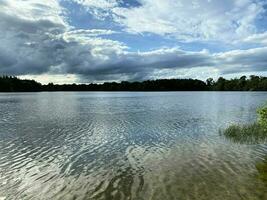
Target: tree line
[{"x": 251, "y": 83}]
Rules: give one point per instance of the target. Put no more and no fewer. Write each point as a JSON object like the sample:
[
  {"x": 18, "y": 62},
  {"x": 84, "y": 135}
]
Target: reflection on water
[
  {"x": 262, "y": 169},
  {"x": 127, "y": 146}
]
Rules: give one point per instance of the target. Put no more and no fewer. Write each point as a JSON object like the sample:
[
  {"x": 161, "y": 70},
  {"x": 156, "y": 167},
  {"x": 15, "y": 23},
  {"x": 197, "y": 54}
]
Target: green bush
[{"x": 262, "y": 119}]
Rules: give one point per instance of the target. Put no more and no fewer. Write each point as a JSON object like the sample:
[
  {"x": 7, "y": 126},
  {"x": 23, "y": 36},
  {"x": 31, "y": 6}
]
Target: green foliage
[
  {"x": 210, "y": 82},
  {"x": 253, "y": 83},
  {"x": 262, "y": 119}
]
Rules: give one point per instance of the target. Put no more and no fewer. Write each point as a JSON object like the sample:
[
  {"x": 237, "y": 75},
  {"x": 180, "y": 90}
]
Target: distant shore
[{"x": 251, "y": 83}]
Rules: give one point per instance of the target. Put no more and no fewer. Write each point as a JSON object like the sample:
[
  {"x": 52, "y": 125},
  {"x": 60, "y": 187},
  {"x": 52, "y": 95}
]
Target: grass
[
  {"x": 246, "y": 134},
  {"x": 254, "y": 133}
]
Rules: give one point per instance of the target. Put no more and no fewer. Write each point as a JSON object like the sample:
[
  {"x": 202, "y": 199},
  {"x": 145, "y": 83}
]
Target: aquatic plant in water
[
  {"x": 255, "y": 133},
  {"x": 246, "y": 134}
]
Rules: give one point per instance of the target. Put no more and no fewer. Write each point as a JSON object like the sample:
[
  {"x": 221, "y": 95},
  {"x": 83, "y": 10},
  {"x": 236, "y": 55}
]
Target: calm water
[{"x": 128, "y": 146}]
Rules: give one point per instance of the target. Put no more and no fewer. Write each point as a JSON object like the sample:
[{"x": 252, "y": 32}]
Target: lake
[{"x": 128, "y": 145}]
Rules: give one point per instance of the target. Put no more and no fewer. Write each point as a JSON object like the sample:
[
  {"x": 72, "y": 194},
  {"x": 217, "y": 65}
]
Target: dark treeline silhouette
[
  {"x": 253, "y": 83},
  {"x": 155, "y": 85},
  {"x": 14, "y": 84}
]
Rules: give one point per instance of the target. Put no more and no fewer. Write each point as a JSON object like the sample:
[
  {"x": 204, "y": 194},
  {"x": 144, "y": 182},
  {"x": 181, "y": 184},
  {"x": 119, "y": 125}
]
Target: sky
[{"x": 82, "y": 41}]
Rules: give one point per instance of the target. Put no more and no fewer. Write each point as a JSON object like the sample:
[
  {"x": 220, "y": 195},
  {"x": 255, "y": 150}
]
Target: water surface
[{"x": 128, "y": 146}]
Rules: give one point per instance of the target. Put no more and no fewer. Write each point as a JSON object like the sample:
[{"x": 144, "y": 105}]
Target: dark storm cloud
[
  {"x": 141, "y": 65},
  {"x": 12, "y": 23},
  {"x": 6, "y": 60},
  {"x": 238, "y": 61},
  {"x": 27, "y": 45}
]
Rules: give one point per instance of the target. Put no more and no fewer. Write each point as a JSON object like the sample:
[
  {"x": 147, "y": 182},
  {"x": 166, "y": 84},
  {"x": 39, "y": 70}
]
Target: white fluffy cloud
[
  {"x": 193, "y": 20},
  {"x": 227, "y": 20},
  {"x": 260, "y": 38},
  {"x": 103, "y": 4},
  {"x": 33, "y": 10}
]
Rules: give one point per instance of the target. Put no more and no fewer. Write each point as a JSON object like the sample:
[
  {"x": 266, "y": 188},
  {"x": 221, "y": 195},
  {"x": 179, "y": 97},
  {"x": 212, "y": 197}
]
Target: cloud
[
  {"x": 33, "y": 44},
  {"x": 100, "y": 9},
  {"x": 103, "y": 4},
  {"x": 260, "y": 38},
  {"x": 26, "y": 35},
  {"x": 238, "y": 61},
  {"x": 171, "y": 63},
  {"x": 197, "y": 20},
  {"x": 35, "y": 39},
  {"x": 33, "y": 10},
  {"x": 138, "y": 66},
  {"x": 89, "y": 33}
]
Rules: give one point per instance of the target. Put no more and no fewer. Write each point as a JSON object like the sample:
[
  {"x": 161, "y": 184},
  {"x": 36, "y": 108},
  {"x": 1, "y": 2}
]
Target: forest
[{"x": 251, "y": 83}]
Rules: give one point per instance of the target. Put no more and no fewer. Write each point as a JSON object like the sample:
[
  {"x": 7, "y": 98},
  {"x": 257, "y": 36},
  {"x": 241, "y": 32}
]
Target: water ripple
[{"x": 126, "y": 146}]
